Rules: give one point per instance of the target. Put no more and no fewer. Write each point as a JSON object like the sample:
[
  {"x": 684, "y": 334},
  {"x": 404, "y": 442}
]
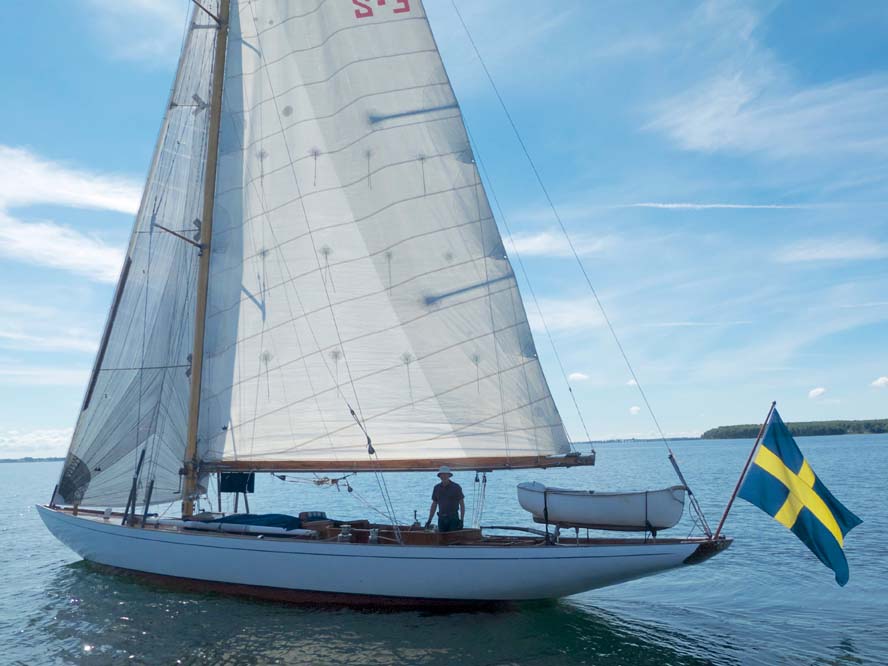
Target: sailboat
[{"x": 315, "y": 282}]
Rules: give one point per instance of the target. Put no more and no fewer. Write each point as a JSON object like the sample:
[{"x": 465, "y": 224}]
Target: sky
[{"x": 720, "y": 167}]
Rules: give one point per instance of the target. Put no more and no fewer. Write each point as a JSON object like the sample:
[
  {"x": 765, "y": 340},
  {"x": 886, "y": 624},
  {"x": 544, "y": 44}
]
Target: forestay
[
  {"x": 137, "y": 397},
  {"x": 356, "y": 264}
]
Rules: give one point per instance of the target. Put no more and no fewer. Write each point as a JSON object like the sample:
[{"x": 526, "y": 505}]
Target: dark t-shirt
[{"x": 448, "y": 498}]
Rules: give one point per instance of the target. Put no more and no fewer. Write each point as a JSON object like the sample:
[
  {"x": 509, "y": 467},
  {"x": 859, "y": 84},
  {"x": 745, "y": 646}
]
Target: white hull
[
  {"x": 444, "y": 573},
  {"x": 636, "y": 511}
]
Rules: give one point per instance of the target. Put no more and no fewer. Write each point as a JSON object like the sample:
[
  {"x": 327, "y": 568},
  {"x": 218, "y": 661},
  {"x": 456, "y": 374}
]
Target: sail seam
[
  {"x": 354, "y": 221},
  {"x": 343, "y": 147},
  {"x": 332, "y": 76},
  {"x": 399, "y": 407},
  {"x": 311, "y": 237},
  {"x": 400, "y": 324},
  {"x": 293, "y": 18},
  {"x": 261, "y": 192},
  {"x": 436, "y": 438},
  {"x": 291, "y": 279},
  {"x": 331, "y": 116},
  {"x": 335, "y": 33},
  {"x": 385, "y": 208},
  {"x": 343, "y": 186}
]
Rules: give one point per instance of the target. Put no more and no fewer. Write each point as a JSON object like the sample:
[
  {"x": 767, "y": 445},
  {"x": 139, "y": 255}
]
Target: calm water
[{"x": 764, "y": 601}]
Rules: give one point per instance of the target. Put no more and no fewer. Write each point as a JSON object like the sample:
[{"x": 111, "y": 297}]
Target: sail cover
[
  {"x": 355, "y": 264},
  {"x": 137, "y": 398}
]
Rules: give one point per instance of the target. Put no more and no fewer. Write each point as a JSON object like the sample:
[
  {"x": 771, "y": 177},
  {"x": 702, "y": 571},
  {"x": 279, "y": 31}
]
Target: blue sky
[{"x": 721, "y": 167}]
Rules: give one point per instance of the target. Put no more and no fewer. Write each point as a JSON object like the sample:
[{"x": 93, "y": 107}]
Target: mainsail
[
  {"x": 358, "y": 282},
  {"x": 137, "y": 397},
  {"x": 358, "y": 285}
]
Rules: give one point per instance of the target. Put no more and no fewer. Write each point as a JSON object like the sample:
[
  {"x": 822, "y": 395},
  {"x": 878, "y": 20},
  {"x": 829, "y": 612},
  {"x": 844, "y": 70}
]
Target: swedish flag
[{"x": 781, "y": 483}]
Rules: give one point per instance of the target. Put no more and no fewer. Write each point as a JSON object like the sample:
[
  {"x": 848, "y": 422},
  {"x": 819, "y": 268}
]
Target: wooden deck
[{"x": 328, "y": 532}]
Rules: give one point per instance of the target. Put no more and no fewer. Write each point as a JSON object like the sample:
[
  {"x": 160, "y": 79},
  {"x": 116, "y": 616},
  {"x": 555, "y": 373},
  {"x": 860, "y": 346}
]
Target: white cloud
[
  {"x": 27, "y": 179},
  {"x": 740, "y": 114},
  {"x": 881, "y": 382},
  {"x": 582, "y": 212},
  {"x": 816, "y": 392},
  {"x": 566, "y": 315},
  {"x": 711, "y": 206},
  {"x": 146, "y": 30},
  {"x": 833, "y": 249},
  {"x": 26, "y": 342},
  {"x": 696, "y": 324},
  {"x": 635, "y": 410},
  {"x": 871, "y": 304},
  {"x": 631, "y": 382},
  {"x": 47, "y": 443},
  {"x": 27, "y": 327},
  {"x": 52, "y": 245},
  {"x": 554, "y": 244},
  {"x": 37, "y": 375},
  {"x": 577, "y": 377}
]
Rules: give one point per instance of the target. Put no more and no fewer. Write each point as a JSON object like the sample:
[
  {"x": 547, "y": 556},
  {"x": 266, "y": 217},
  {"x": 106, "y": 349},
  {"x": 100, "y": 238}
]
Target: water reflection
[{"x": 96, "y": 617}]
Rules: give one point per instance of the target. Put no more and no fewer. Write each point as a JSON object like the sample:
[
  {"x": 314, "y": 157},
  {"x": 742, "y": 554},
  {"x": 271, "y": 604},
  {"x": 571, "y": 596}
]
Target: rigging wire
[{"x": 579, "y": 262}]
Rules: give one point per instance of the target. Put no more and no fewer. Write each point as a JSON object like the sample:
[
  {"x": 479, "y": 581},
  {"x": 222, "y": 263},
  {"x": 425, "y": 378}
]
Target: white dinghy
[
  {"x": 314, "y": 263},
  {"x": 648, "y": 510}
]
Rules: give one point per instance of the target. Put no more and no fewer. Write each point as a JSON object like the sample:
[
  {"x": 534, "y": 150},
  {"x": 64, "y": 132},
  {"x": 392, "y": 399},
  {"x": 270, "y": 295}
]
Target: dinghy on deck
[{"x": 648, "y": 510}]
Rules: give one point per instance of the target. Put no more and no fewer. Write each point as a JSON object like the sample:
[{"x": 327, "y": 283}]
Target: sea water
[{"x": 766, "y": 600}]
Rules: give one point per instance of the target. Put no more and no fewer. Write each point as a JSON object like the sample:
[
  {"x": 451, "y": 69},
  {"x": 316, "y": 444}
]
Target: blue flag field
[{"x": 782, "y": 484}]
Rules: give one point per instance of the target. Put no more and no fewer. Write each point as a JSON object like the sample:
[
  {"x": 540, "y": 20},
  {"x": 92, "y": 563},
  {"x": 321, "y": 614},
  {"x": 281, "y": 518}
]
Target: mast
[{"x": 206, "y": 228}]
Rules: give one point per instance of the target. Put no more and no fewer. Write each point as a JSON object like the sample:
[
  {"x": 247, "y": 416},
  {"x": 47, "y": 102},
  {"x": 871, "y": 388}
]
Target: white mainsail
[
  {"x": 137, "y": 398},
  {"x": 355, "y": 260}
]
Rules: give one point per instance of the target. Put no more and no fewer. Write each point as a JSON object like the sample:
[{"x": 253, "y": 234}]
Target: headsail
[
  {"x": 356, "y": 265},
  {"x": 138, "y": 393}
]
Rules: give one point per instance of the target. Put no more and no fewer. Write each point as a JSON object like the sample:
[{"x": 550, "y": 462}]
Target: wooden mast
[{"x": 206, "y": 227}]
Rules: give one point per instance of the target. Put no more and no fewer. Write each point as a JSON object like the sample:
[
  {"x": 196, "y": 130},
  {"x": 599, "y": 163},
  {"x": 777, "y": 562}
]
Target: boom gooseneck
[{"x": 206, "y": 229}]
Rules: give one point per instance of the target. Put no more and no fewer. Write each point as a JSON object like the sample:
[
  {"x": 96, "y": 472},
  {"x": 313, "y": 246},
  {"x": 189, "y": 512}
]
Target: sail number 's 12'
[{"x": 364, "y": 8}]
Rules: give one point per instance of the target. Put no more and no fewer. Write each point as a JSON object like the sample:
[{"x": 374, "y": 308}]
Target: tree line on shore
[{"x": 803, "y": 429}]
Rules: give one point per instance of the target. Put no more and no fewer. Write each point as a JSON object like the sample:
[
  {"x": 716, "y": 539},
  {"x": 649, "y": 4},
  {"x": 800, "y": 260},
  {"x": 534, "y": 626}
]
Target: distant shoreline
[
  {"x": 29, "y": 459},
  {"x": 803, "y": 429},
  {"x": 751, "y": 430}
]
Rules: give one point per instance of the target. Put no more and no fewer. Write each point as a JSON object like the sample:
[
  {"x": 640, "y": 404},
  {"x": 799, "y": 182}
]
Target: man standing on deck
[{"x": 448, "y": 499}]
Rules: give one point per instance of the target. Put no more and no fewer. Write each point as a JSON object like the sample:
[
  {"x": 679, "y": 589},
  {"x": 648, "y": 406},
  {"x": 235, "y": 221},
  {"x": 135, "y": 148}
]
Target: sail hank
[{"x": 479, "y": 464}]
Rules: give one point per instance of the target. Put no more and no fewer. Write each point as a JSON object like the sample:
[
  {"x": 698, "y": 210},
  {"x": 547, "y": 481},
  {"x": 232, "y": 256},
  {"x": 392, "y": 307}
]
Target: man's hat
[{"x": 444, "y": 469}]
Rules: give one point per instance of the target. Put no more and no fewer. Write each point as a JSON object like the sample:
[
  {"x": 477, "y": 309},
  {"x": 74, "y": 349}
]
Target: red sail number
[{"x": 364, "y": 10}]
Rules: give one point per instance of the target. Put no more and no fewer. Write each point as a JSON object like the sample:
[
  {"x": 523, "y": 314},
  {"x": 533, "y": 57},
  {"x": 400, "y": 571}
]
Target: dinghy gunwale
[{"x": 529, "y": 486}]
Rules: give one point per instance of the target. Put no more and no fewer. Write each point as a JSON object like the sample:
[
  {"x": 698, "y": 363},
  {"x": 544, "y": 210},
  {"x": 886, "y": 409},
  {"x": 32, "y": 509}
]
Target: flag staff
[{"x": 724, "y": 517}]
